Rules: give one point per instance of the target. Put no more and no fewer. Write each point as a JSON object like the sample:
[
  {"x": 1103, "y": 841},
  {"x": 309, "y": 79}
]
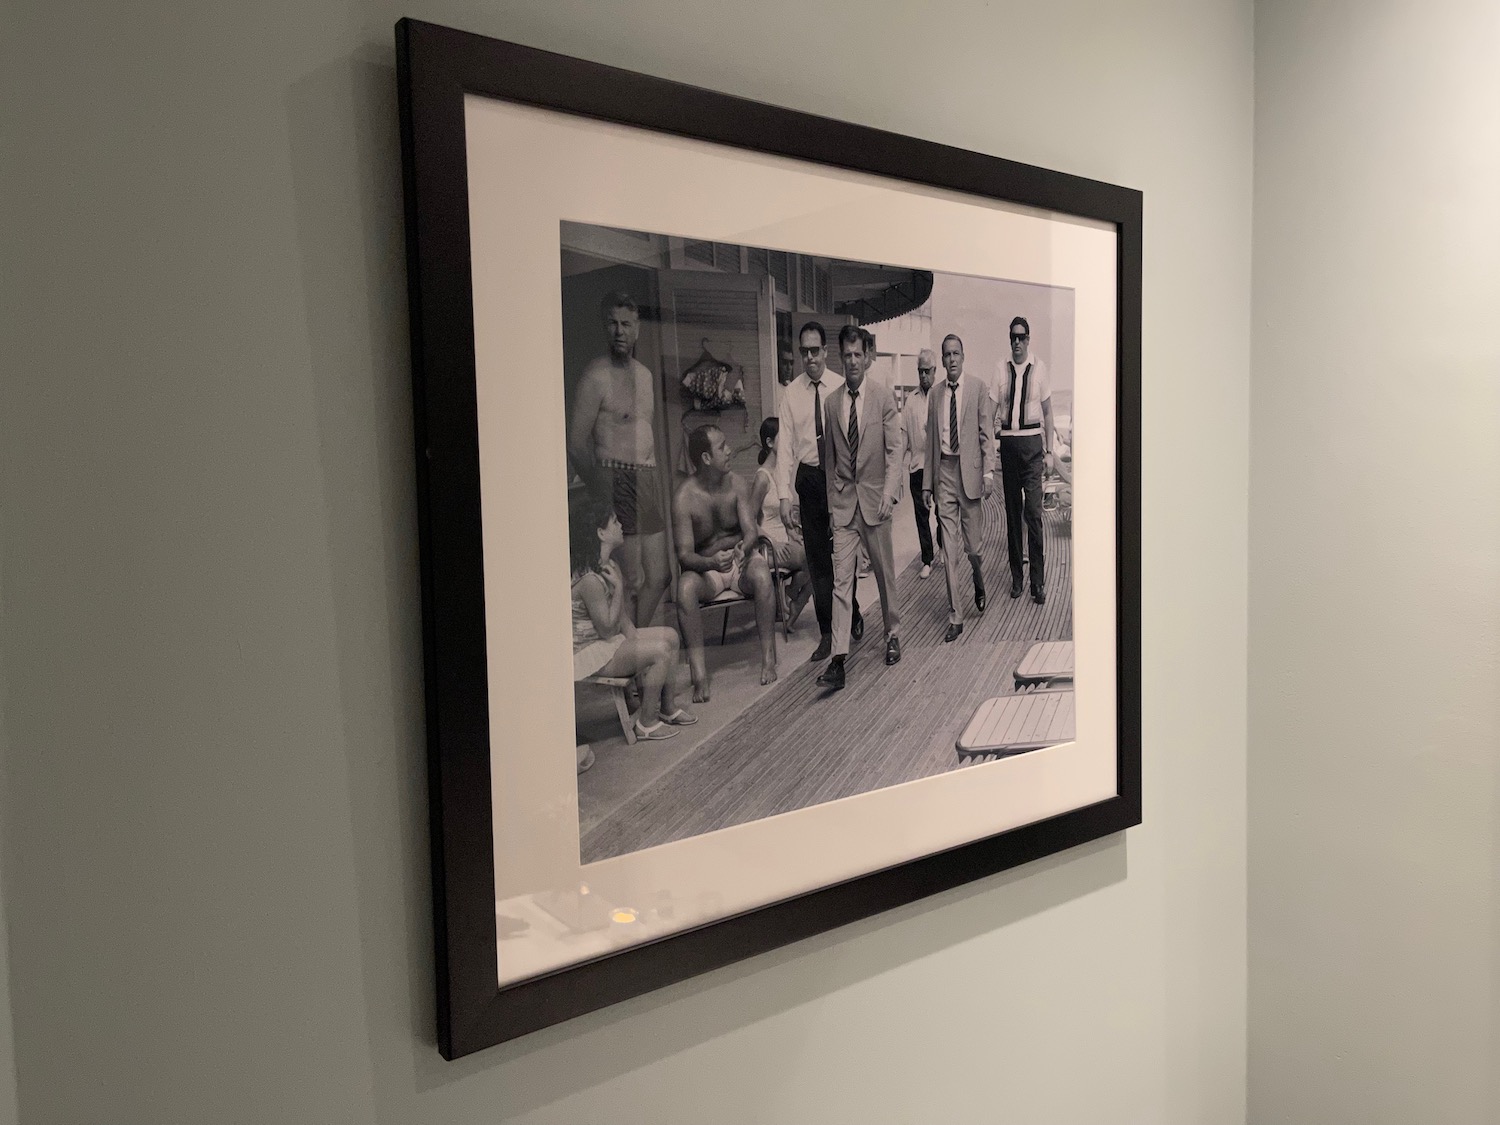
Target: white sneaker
[{"x": 925, "y": 572}]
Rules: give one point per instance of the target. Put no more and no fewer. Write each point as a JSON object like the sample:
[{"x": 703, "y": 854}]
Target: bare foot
[
  {"x": 700, "y": 692},
  {"x": 767, "y": 674}
]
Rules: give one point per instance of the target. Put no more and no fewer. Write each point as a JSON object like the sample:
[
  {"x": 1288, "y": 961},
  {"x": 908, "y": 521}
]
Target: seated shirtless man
[{"x": 716, "y": 533}]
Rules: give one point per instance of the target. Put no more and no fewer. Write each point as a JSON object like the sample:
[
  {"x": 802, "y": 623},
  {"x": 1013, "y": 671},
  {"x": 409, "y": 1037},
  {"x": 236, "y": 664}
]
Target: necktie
[
  {"x": 953, "y": 418},
  {"x": 1010, "y": 404},
  {"x": 818, "y": 419},
  {"x": 853, "y": 430}
]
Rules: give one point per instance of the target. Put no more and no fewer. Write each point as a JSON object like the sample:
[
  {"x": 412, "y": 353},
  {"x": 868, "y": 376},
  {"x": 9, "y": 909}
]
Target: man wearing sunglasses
[
  {"x": 1024, "y": 424},
  {"x": 800, "y": 473}
]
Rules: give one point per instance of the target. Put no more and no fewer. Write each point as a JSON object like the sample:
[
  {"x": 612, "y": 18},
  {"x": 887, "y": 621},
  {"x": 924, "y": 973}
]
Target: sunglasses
[
  {"x": 927, "y": 371},
  {"x": 1014, "y": 336}
]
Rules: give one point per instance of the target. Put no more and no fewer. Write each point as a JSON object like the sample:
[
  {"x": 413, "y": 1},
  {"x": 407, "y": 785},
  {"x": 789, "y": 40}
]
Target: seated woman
[
  {"x": 1061, "y": 494},
  {"x": 786, "y": 546},
  {"x": 605, "y": 642}
]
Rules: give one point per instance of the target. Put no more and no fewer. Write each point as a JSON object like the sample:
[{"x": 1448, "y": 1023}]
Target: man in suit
[
  {"x": 1023, "y": 397},
  {"x": 914, "y": 421},
  {"x": 865, "y": 459},
  {"x": 960, "y": 472},
  {"x": 801, "y": 481}
]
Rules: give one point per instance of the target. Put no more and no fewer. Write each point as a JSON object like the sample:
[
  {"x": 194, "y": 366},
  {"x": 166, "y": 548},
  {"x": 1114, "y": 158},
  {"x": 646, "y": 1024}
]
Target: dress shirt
[
  {"x": 858, "y": 405},
  {"x": 1011, "y": 421},
  {"x": 914, "y": 420},
  {"x": 797, "y": 441},
  {"x": 944, "y": 430}
]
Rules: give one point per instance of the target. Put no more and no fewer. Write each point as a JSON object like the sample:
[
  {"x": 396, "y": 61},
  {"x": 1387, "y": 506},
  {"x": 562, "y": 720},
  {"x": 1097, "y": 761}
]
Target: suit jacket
[
  {"x": 881, "y": 464},
  {"x": 977, "y": 449}
]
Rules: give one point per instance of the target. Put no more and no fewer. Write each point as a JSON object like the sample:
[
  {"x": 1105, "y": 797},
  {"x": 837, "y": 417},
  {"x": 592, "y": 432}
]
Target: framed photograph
[{"x": 780, "y": 518}]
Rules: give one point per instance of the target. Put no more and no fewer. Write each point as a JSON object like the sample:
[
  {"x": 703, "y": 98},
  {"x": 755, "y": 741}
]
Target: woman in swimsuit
[
  {"x": 605, "y": 641},
  {"x": 786, "y": 545}
]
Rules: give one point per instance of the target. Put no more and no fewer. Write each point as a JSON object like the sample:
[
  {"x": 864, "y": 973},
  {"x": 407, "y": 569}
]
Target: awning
[{"x": 871, "y": 293}]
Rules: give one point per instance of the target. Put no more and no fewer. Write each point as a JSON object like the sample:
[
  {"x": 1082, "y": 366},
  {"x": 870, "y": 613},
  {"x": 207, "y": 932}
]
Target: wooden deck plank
[
  {"x": 797, "y": 746},
  {"x": 1041, "y": 713},
  {"x": 1063, "y": 728}
]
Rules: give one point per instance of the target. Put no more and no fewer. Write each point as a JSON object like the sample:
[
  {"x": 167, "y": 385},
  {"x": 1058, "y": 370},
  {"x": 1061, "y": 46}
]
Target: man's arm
[
  {"x": 786, "y": 462},
  {"x": 585, "y": 414},
  {"x": 682, "y": 531},
  {"x": 1044, "y": 389},
  {"x": 749, "y": 525},
  {"x": 909, "y": 420},
  {"x": 895, "y": 453},
  {"x": 786, "y": 442},
  {"x": 989, "y": 446}
]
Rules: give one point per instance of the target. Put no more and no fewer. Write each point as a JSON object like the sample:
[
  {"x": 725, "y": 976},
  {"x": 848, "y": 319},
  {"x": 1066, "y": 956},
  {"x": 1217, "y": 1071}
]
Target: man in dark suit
[
  {"x": 865, "y": 460},
  {"x": 960, "y": 472}
]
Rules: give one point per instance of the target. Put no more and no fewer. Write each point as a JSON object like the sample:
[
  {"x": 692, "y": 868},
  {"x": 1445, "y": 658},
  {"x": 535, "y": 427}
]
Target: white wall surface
[
  {"x": 215, "y": 839},
  {"x": 1375, "y": 565}
]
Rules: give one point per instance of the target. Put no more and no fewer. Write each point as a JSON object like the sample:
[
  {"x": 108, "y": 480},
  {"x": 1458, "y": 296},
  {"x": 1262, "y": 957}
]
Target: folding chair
[
  {"x": 726, "y": 601},
  {"x": 617, "y": 686}
]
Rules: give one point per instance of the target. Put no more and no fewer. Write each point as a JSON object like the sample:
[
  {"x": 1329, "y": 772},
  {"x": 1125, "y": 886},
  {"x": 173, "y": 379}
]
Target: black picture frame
[{"x": 437, "y": 67}]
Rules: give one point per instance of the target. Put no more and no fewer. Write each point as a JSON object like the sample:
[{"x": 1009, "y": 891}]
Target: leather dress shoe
[
  {"x": 892, "y": 650},
  {"x": 833, "y": 675},
  {"x": 1039, "y": 597},
  {"x": 953, "y": 632},
  {"x": 825, "y": 646},
  {"x": 857, "y": 627},
  {"x": 979, "y": 602},
  {"x": 1016, "y": 588}
]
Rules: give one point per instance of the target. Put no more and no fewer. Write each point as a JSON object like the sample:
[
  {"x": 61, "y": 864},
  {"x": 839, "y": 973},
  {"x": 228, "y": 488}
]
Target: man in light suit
[
  {"x": 865, "y": 456},
  {"x": 960, "y": 471}
]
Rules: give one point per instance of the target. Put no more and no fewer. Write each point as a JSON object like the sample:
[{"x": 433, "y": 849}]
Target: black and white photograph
[{"x": 820, "y": 527}]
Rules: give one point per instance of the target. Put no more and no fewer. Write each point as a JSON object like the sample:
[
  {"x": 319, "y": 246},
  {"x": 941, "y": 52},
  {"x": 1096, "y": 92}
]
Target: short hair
[
  {"x": 700, "y": 443},
  {"x": 814, "y": 326},
  {"x": 618, "y": 299},
  {"x": 851, "y": 334},
  {"x": 929, "y": 355},
  {"x": 869, "y": 341},
  {"x": 955, "y": 336},
  {"x": 1021, "y": 320}
]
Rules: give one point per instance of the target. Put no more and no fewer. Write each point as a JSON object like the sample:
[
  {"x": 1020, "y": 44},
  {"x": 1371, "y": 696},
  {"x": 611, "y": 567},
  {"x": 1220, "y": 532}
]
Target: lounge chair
[
  {"x": 1045, "y": 663},
  {"x": 1014, "y": 724}
]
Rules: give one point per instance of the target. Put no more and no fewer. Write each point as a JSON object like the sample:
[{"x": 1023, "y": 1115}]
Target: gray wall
[
  {"x": 214, "y": 829},
  {"x": 9, "y": 1107},
  {"x": 1374, "y": 555}
]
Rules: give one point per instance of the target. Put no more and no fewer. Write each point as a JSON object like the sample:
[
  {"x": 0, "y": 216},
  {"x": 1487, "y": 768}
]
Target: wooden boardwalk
[{"x": 799, "y": 745}]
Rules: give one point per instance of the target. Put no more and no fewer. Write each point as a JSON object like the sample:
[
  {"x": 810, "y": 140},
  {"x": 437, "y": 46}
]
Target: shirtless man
[
  {"x": 716, "y": 530},
  {"x": 612, "y": 440}
]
